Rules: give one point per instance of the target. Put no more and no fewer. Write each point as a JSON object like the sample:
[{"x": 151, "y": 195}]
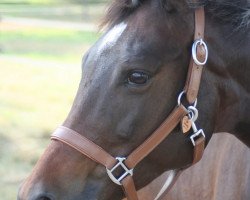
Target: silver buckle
[
  {"x": 194, "y": 52},
  {"x": 123, "y": 175},
  {"x": 196, "y": 134}
]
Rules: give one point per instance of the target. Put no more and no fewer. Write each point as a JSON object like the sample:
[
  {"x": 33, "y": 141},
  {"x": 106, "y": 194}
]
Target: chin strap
[{"x": 127, "y": 164}]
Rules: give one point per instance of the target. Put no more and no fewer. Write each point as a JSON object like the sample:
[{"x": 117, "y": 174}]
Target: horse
[
  {"x": 223, "y": 173},
  {"x": 131, "y": 79}
]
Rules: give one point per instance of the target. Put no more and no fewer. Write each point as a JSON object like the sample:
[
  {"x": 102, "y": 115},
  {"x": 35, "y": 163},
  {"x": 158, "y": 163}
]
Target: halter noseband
[{"x": 97, "y": 154}]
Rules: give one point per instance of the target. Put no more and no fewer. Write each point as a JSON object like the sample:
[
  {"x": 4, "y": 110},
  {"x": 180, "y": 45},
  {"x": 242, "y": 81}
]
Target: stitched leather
[
  {"x": 83, "y": 145},
  {"x": 157, "y": 137}
]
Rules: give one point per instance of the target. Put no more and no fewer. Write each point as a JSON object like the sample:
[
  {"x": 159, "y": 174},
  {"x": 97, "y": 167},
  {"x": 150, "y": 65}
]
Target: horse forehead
[{"x": 111, "y": 37}]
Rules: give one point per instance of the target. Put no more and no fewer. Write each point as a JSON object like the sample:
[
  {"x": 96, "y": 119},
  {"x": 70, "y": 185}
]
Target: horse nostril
[{"x": 44, "y": 198}]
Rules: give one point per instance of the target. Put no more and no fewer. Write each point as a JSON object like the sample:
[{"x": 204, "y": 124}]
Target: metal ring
[
  {"x": 194, "y": 113},
  {"x": 180, "y": 97},
  {"x": 195, "y": 103},
  {"x": 194, "y": 52},
  {"x": 126, "y": 171}
]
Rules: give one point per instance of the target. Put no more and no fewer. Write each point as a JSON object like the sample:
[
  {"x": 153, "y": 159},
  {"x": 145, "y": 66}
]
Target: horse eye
[{"x": 138, "y": 78}]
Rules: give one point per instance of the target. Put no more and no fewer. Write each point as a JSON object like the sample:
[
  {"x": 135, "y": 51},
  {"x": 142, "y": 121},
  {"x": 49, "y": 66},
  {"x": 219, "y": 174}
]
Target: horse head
[{"x": 131, "y": 78}]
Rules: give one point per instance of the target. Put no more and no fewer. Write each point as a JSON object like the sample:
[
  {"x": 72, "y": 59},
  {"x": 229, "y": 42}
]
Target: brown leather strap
[
  {"x": 149, "y": 145},
  {"x": 95, "y": 153},
  {"x": 199, "y": 23},
  {"x": 129, "y": 188},
  {"x": 157, "y": 137},
  {"x": 192, "y": 85},
  {"x": 195, "y": 71},
  {"x": 198, "y": 149},
  {"x": 83, "y": 145}
]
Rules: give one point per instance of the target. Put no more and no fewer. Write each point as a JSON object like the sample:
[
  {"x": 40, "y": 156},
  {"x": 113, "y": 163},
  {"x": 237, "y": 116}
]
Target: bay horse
[{"x": 131, "y": 78}]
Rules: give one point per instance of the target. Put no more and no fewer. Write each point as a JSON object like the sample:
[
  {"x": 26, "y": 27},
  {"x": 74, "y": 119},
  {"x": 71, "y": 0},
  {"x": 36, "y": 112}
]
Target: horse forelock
[
  {"x": 118, "y": 11},
  {"x": 226, "y": 11}
]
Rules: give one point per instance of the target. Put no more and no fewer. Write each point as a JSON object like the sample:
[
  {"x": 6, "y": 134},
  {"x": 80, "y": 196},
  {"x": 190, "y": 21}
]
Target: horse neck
[{"x": 229, "y": 64}]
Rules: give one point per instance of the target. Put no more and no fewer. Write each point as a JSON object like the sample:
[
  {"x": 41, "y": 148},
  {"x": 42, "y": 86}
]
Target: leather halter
[{"x": 99, "y": 155}]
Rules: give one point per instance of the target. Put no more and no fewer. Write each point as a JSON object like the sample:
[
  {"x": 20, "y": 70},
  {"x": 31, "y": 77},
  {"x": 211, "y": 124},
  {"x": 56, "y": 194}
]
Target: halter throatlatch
[{"x": 99, "y": 155}]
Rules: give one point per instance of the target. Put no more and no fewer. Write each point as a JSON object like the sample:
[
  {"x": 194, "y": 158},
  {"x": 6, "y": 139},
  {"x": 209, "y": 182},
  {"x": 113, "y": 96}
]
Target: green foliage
[
  {"x": 29, "y": 1},
  {"x": 52, "y": 1},
  {"x": 62, "y": 12}
]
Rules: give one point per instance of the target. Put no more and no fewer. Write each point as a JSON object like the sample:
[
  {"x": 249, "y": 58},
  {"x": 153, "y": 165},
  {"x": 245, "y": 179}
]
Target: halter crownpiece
[{"x": 99, "y": 155}]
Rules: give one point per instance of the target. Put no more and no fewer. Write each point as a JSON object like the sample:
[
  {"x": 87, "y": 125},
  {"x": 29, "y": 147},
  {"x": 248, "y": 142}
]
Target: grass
[
  {"x": 32, "y": 104},
  {"x": 40, "y": 72},
  {"x": 47, "y": 43},
  {"x": 64, "y": 12}
]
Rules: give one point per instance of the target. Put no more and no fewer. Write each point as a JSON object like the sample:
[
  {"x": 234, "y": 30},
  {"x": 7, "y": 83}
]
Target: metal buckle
[
  {"x": 123, "y": 175},
  {"x": 196, "y": 134},
  {"x": 194, "y": 51}
]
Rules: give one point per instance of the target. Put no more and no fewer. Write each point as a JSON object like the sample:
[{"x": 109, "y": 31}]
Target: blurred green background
[{"x": 41, "y": 46}]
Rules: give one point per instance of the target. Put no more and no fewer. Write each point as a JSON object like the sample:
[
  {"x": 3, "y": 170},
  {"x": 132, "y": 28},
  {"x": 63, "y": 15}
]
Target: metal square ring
[
  {"x": 121, "y": 164},
  {"x": 200, "y": 132}
]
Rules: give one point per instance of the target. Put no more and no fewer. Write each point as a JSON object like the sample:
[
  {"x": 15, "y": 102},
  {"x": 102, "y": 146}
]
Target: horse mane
[{"x": 234, "y": 12}]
